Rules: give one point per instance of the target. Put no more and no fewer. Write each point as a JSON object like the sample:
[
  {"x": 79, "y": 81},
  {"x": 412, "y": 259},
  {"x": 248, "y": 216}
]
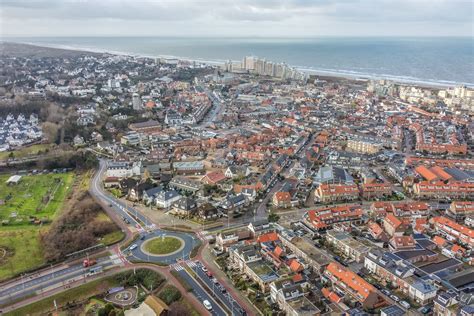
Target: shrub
[{"x": 169, "y": 294}]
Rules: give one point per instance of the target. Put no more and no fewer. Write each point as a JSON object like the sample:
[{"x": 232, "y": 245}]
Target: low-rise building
[
  {"x": 345, "y": 243},
  {"x": 453, "y": 231},
  {"x": 336, "y": 192},
  {"x": 324, "y": 218},
  {"x": 346, "y": 281},
  {"x": 400, "y": 274}
]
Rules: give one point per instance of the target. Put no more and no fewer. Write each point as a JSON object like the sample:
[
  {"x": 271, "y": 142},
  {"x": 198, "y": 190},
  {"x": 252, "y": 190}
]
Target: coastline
[{"x": 327, "y": 73}]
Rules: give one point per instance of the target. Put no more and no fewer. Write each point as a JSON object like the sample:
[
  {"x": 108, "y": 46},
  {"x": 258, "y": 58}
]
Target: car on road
[
  {"x": 405, "y": 304},
  {"x": 134, "y": 246},
  {"x": 207, "y": 305},
  {"x": 215, "y": 281},
  {"x": 425, "y": 310},
  {"x": 142, "y": 237},
  {"x": 395, "y": 298},
  {"x": 386, "y": 292},
  {"x": 209, "y": 274},
  {"x": 204, "y": 269},
  {"x": 223, "y": 289}
]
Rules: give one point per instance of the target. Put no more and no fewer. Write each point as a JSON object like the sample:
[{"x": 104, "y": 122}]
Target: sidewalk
[{"x": 243, "y": 301}]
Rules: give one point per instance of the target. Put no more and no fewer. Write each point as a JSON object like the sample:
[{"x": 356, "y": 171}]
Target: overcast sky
[{"x": 275, "y": 18}]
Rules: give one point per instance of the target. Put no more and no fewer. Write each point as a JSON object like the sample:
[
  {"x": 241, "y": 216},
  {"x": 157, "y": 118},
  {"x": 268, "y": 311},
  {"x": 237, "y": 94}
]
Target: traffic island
[{"x": 162, "y": 246}]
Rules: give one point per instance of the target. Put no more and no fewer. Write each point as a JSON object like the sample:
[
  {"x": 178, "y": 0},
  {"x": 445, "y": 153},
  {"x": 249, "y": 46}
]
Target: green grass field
[
  {"x": 20, "y": 204},
  {"x": 161, "y": 246},
  {"x": 34, "y": 197},
  {"x": 25, "y": 250},
  {"x": 26, "y": 151}
]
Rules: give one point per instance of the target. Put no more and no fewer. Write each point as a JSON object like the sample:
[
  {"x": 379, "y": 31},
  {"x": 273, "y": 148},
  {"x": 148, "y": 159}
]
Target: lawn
[
  {"x": 34, "y": 197},
  {"x": 161, "y": 246},
  {"x": 24, "y": 250},
  {"x": 80, "y": 293},
  {"x": 26, "y": 151}
]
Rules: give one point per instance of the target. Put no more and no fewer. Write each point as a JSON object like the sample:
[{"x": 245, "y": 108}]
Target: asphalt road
[
  {"x": 57, "y": 276},
  {"x": 198, "y": 291},
  {"x": 225, "y": 298},
  {"x": 138, "y": 254}
]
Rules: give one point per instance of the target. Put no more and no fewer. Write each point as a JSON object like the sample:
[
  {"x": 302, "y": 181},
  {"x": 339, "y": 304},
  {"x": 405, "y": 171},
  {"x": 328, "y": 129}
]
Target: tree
[{"x": 273, "y": 217}]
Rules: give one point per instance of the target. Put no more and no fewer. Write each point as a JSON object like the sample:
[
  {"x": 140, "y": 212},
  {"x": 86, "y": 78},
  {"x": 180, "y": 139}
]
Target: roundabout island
[{"x": 163, "y": 246}]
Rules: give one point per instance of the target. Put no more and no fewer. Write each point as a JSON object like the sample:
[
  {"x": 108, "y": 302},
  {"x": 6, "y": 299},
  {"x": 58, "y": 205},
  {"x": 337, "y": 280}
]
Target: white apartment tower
[{"x": 136, "y": 102}]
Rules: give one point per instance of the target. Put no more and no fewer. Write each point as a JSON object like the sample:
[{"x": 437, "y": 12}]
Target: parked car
[
  {"x": 204, "y": 269},
  {"x": 215, "y": 281},
  {"x": 207, "y": 305},
  {"x": 425, "y": 310},
  {"x": 405, "y": 304},
  {"x": 386, "y": 292},
  {"x": 134, "y": 246},
  {"x": 395, "y": 298}
]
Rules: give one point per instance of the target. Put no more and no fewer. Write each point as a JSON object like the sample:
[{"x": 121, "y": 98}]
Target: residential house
[
  {"x": 165, "y": 199},
  {"x": 185, "y": 206},
  {"x": 149, "y": 196},
  {"x": 392, "y": 225},
  {"x": 347, "y": 245},
  {"x": 346, "y": 281}
]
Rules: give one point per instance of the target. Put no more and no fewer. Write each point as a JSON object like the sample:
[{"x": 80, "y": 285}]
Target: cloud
[{"x": 237, "y": 16}]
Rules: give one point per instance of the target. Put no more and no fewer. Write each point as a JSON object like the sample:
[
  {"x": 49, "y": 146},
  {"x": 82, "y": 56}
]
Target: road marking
[
  {"x": 177, "y": 267},
  {"x": 191, "y": 264}
]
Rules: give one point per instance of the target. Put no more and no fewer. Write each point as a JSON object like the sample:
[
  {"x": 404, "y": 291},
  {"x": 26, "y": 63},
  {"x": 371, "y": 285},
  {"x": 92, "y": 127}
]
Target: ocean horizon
[{"x": 434, "y": 61}]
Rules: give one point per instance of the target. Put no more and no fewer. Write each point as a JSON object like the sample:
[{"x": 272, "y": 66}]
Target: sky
[{"x": 236, "y": 18}]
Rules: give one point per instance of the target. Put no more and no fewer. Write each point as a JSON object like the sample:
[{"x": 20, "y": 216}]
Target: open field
[
  {"x": 34, "y": 197},
  {"x": 24, "y": 250},
  {"x": 26, "y": 211},
  {"x": 32, "y": 150},
  {"x": 162, "y": 246}
]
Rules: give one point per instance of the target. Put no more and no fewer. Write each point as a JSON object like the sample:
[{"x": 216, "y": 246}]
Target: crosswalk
[
  {"x": 202, "y": 235},
  {"x": 179, "y": 266},
  {"x": 191, "y": 264}
]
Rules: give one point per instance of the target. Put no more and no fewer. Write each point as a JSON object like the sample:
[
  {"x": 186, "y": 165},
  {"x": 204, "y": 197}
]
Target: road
[
  {"x": 216, "y": 289},
  {"x": 198, "y": 290},
  {"x": 56, "y": 277}
]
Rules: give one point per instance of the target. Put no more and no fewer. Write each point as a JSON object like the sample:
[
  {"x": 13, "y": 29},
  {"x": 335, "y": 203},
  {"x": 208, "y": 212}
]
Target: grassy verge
[
  {"x": 195, "y": 250},
  {"x": 189, "y": 307},
  {"x": 79, "y": 293},
  {"x": 183, "y": 282},
  {"x": 113, "y": 238}
]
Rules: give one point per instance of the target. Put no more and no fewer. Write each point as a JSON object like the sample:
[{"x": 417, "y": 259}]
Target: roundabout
[{"x": 162, "y": 246}]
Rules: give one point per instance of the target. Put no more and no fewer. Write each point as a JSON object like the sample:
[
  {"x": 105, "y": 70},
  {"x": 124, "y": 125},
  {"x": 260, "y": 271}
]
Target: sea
[{"x": 422, "y": 60}]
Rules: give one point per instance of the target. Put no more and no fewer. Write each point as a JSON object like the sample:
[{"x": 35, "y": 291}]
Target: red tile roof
[
  {"x": 268, "y": 237},
  {"x": 351, "y": 280},
  {"x": 426, "y": 173}
]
